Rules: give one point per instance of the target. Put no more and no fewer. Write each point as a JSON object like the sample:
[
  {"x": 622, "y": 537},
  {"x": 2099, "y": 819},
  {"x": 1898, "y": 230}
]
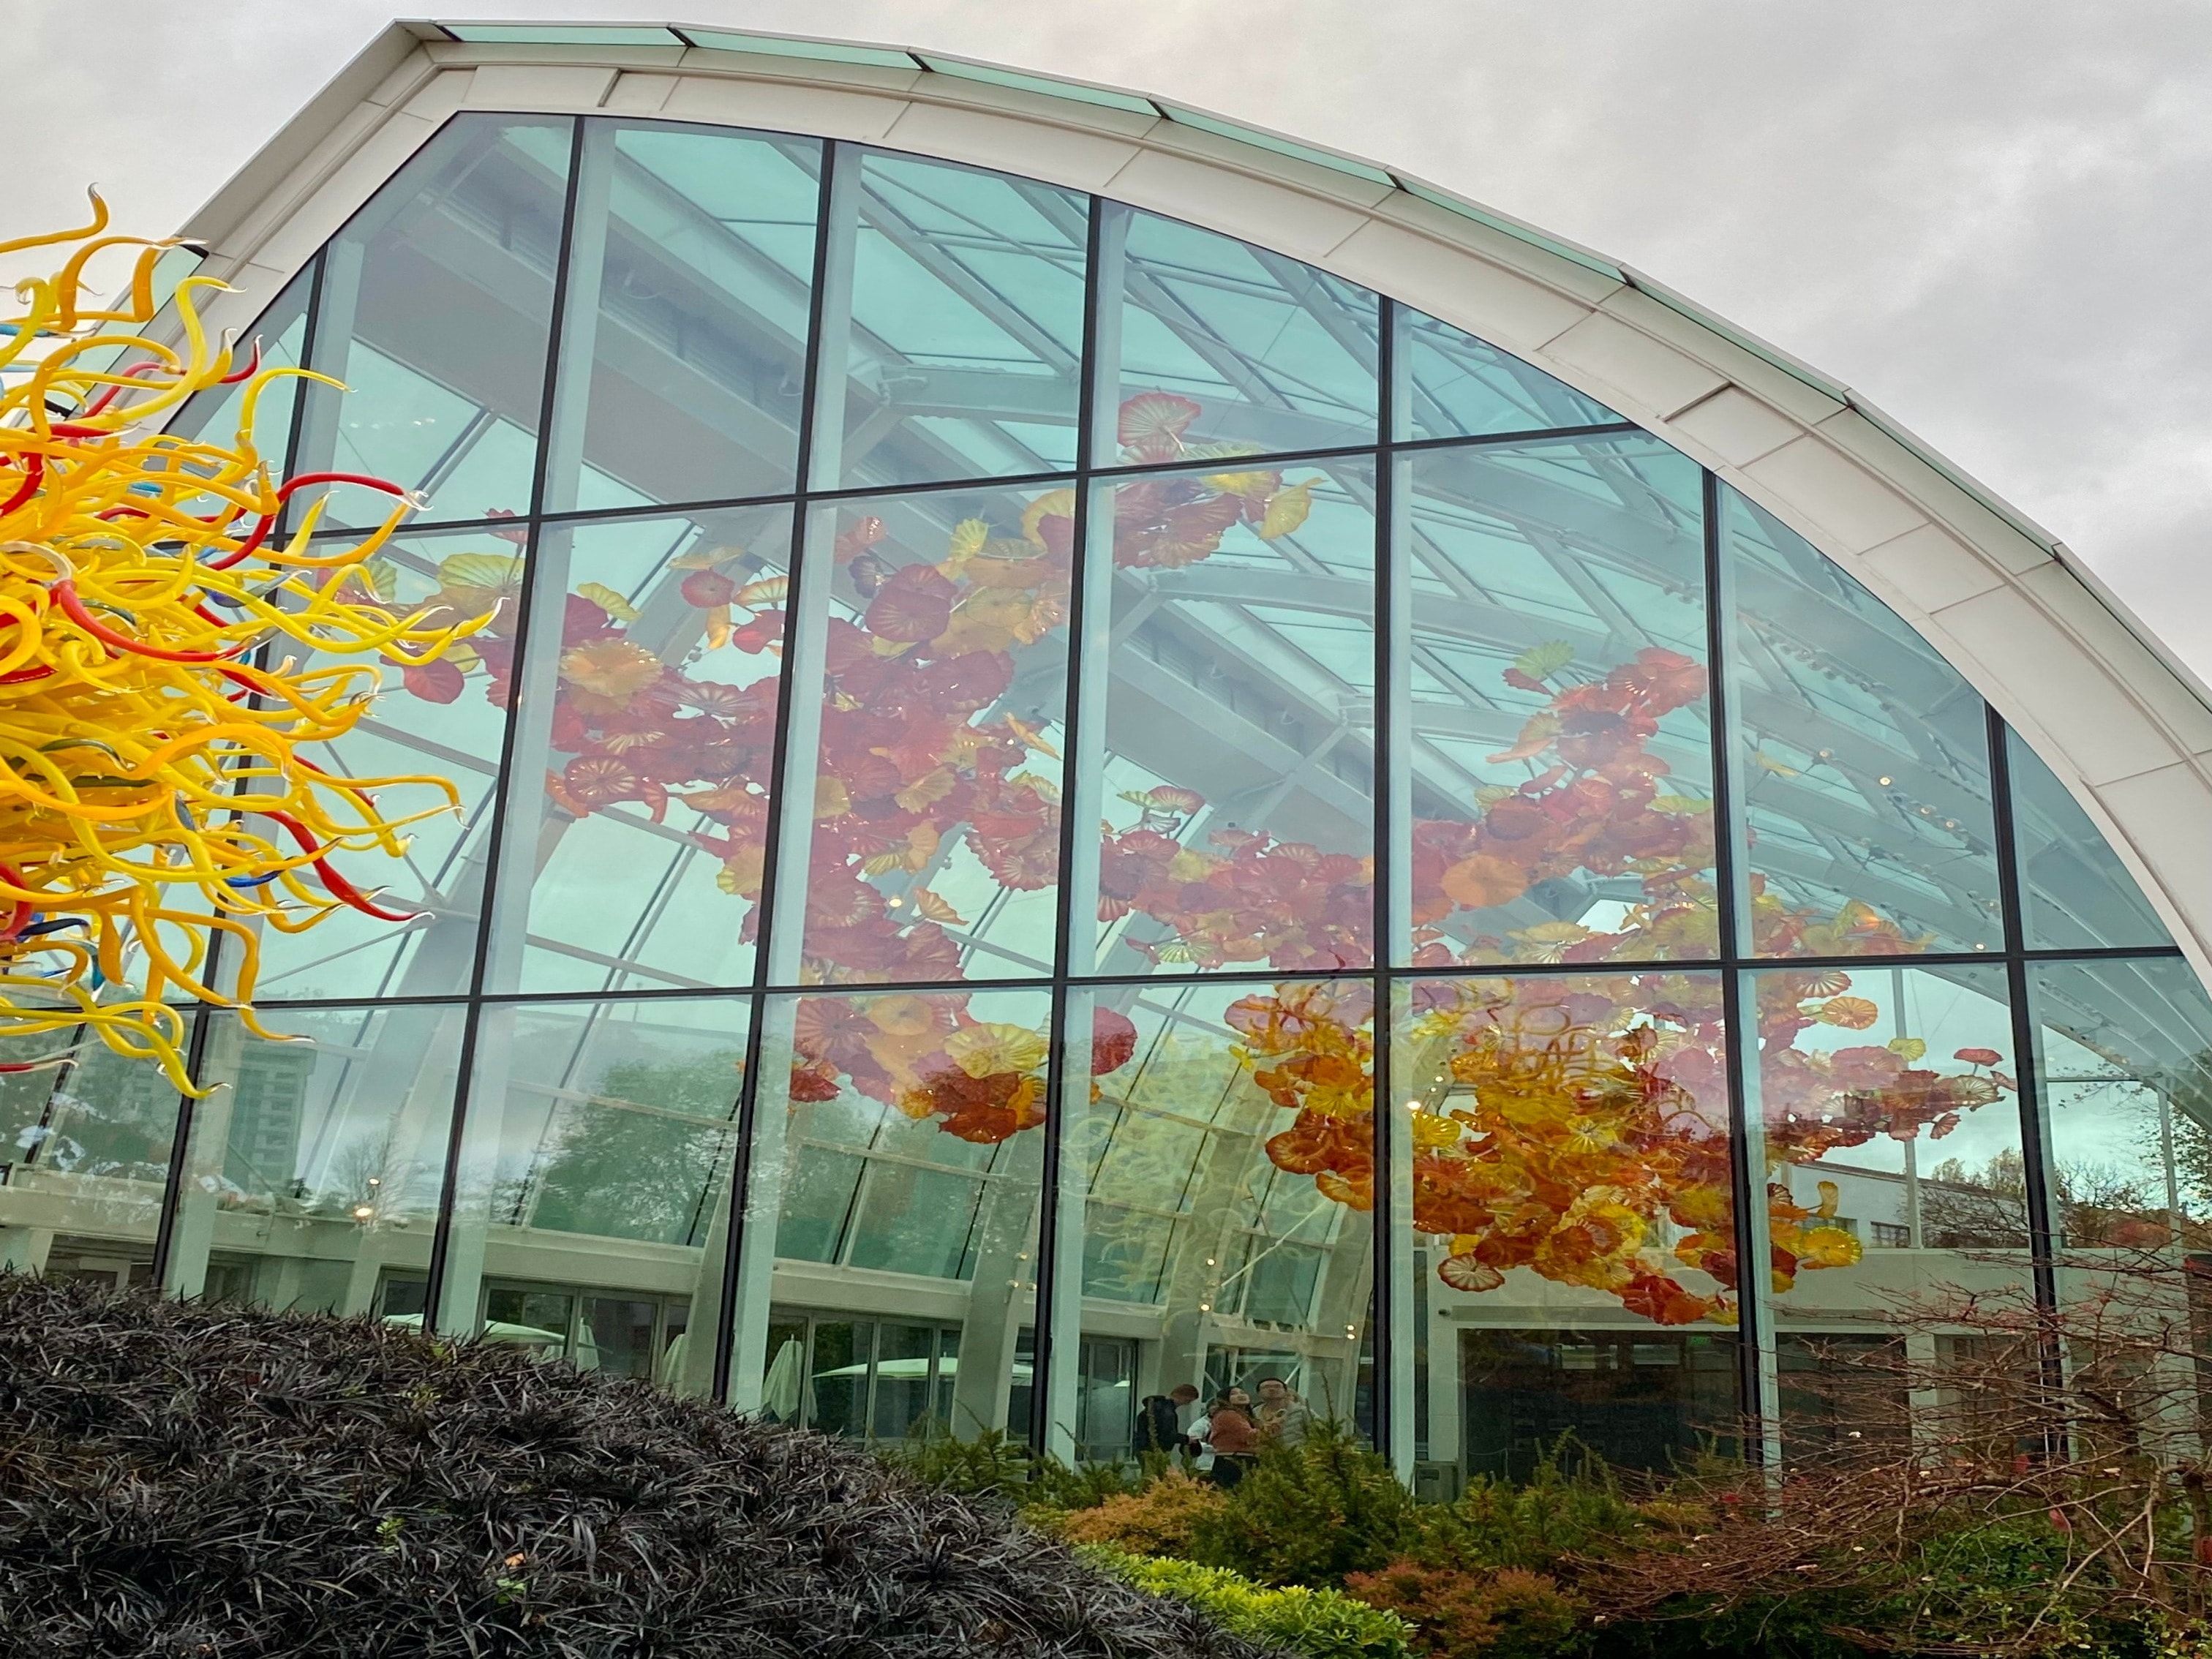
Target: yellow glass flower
[
  {"x": 612, "y": 668},
  {"x": 1828, "y": 1246},
  {"x": 987, "y": 1049},
  {"x": 902, "y": 1016}
]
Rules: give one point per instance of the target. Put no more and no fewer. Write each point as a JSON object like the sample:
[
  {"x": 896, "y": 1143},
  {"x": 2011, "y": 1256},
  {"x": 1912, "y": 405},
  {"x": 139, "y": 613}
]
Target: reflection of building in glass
[
  {"x": 263, "y": 1150},
  {"x": 1101, "y": 754}
]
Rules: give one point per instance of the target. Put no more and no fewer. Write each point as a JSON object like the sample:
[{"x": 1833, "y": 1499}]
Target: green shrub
[
  {"x": 995, "y": 1464},
  {"x": 1309, "y": 1513},
  {"x": 1161, "y": 1520},
  {"x": 1569, "y": 1505},
  {"x": 1322, "y": 1623},
  {"x": 1088, "y": 1485},
  {"x": 990, "y": 1466},
  {"x": 1512, "y": 1614}
]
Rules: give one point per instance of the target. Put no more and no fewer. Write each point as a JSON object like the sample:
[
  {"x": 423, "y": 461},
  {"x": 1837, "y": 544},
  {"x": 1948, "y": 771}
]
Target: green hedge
[{"x": 1323, "y": 1623}]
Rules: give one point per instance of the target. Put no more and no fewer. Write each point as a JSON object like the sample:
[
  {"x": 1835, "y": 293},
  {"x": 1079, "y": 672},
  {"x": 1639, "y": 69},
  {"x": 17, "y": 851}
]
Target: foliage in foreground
[
  {"x": 1163, "y": 1519},
  {"x": 180, "y": 1479},
  {"x": 1512, "y": 1614},
  {"x": 1324, "y": 1624},
  {"x": 1309, "y": 1513},
  {"x": 1574, "y": 1563}
]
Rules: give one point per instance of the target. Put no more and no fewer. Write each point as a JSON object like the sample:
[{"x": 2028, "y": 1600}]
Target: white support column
[
  {"x": 763, "y": 1202},
  {"x": 192, "y": 1228},
  {"x": 1063, "y": 1300}
]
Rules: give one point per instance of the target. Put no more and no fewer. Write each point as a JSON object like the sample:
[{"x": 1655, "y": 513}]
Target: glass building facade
[{"x": 1053, "y": 803}]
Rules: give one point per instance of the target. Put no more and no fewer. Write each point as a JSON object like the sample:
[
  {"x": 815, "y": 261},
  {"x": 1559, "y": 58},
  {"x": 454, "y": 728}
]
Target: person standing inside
[
  {"x": 1231, "y": 1437},
  {"x": 1159, "y": 1421},
  {"x": 1188, "y": 1411},
  {"x": 1282, "y": 1417}
]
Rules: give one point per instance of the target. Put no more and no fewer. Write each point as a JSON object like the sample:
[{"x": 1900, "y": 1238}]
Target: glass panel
[
  {"x": 1047, "y": 86},
  {"x": 1220, "y": 1178},
  {"x": 1211, "y": 346},
  {"x": 1106, "y": 1406},
  {"x": 527, "y": 1317},
  {"x": 446, "y": 720},
  {"x": 865, "y": 1379},
  {"x": 900, "y": 1225},
  {"x": 598, "y": 1144},
  {"x": 1861, "y": 758},
  {"x": 1897, "y": 1187},
  {"x": 905, "y": 1356},
  {"x": 2075, "y": 892},
  {"x": 621, "y": 1332},
  {"x": 1893, "y": 1139},
  {"x": 213, "y": 416},
  {"x": 648, "y": 711},
  {"x": 936, "y": 624},
  {"x": 1236, "y": 714},
  {"x": 1833, "y": 1389},
  {"x": 1639, "y": 1399},
  {"x": 1455, "y": 385},
  {"x": 818, "y": 1205},
  {"x": 895, "y": 1167},
  {"x": 316, "y": 1163},
  {"x": 1555, "y": 697},
  {"x": 960, "y": 357},
  {"x": 84, "y": 1155},
  {"x": 843, "y": 1355},
  {"x": 1281, "y": 146},
  {"x": 2125, "y": 1063},
  {"x": 684, "y": 347},
  {"x": 543, "y": 35},
  {"x": 1572, "y": 1217},
  {"x": 2124, "y": 1066},
  {"x": 436, "y": 302},
  {"x": 831, "y": 52},
  {"x": 1021, "y": 1411}
]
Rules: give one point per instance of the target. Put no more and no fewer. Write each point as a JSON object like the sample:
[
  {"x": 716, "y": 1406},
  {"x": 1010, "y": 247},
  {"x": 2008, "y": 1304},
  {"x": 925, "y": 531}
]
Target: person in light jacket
[{"x": 1282, "y": 1417}]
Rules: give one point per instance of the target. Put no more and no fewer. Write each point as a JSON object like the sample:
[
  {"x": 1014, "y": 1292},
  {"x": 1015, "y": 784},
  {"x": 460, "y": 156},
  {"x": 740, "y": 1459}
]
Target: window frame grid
[{"x": 1393, "y": 1302}]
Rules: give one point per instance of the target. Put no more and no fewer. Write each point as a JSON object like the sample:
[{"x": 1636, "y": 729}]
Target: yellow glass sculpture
[{"x": 152, "y": 644}]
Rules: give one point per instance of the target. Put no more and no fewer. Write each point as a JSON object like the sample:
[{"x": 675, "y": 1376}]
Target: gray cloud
[{"x": 1983, "y": 215}]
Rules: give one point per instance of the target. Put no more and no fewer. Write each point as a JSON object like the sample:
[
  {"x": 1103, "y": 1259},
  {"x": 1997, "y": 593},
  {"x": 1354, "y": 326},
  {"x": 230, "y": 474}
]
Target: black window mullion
[
  {"x": 1384, "y": 1213},
  {"x": 180, "y": 1142},
  {"x": 1051, "y": 1262},
  {"x": 741, "y": 1170},
  {"x": 310, "y": 319},
  {"x": 2043, "y": 1219},
  {"x": 1747, "y": 1185},
  {"x": 195, "y": 1054},
  {"x": 495, "y": 835}
]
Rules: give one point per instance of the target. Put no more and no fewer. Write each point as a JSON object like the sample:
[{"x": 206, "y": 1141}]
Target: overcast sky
[{"x": 1989, "y": 216}]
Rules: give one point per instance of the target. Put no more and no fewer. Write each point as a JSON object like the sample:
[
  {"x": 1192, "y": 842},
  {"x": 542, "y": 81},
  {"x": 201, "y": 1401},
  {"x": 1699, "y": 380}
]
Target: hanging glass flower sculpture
[
  {"x": 1574, "y": 1125},
  {"x": 152, "y": 644}
]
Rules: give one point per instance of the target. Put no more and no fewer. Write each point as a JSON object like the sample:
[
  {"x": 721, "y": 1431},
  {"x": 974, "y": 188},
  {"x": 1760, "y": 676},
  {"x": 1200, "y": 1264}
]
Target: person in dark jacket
[{"x": 1159, "y": 1420}]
